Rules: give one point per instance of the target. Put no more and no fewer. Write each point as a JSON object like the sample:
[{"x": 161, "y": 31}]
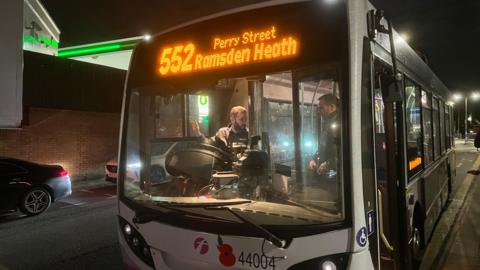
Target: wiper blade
[
  {"x": 150, "y": 215},
  {"x": 206, "y": 204},
  {"x": 265, "y": 233}
]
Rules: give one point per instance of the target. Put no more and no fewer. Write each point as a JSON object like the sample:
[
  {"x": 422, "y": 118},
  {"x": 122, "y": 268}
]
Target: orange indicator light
[{"x": 414, "y": 163}]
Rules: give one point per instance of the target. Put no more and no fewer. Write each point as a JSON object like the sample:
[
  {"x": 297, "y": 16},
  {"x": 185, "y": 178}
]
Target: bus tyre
[{"x": 417, "y": 247}]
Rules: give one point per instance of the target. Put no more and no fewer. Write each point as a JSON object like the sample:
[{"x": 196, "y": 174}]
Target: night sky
[{"x": 446, "y": 31}]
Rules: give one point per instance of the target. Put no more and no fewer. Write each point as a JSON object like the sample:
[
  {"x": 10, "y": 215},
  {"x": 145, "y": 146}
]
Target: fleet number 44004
[{"x": 256, "y": 260}]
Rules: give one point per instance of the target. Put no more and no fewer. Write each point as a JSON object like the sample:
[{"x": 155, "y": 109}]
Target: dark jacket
[
  {"x": 476, "y": 142},
  {"x": 328, "y": 141}
]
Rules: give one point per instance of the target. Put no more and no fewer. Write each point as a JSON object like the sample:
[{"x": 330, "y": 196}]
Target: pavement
[
  {"x": 98, "y": 182},
  {"x": 462, "y": 250},
  {"x": 453, "y": 242}
]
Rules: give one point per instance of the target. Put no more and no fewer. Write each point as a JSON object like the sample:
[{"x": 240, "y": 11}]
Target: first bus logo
[{"x": 201, "y": 245}]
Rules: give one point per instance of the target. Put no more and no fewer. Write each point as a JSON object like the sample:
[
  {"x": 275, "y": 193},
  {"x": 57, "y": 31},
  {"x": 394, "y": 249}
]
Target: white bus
[{"x": 346, "y": 163}]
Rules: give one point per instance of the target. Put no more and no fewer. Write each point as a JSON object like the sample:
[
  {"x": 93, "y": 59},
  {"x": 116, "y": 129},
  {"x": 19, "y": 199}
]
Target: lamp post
[
  {"x": 456, "y": 97},
  {"x": 466, "y": 120}
]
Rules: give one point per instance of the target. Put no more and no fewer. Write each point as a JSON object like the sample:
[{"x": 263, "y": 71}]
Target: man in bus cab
[
  {"x": 325, "y": 159},
  {"x": 235, "y": 133}
]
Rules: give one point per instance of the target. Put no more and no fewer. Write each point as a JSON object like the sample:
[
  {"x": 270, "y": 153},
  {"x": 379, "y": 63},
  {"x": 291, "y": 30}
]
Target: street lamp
[
  {"x": 474, "y": 96},
  {"x": 456, "y": 98}
]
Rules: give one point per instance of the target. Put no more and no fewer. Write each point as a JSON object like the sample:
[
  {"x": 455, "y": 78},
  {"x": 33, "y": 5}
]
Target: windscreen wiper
[
  {"x": 150, "y": 214},
  {"x": 267, "y": 235}
]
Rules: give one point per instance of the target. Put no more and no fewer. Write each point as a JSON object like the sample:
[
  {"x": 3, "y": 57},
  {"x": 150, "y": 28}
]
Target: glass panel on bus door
[
  {"x": 427, "y": 128},
  {"x": 413, "y": 127},
  {"x": 380, "y": 154},
  {"x": 436, "y": 129},
  {"x": 381, "y": 166},
  {"x": 380, "y": 143}
]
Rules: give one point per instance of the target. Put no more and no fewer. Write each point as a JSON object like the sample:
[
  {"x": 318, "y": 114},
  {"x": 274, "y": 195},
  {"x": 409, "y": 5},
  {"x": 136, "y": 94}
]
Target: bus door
[{"x": 388, "y": 121}]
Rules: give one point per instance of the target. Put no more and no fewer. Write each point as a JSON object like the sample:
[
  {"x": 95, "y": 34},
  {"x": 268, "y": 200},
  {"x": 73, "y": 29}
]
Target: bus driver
[
  {"x": 235, "y": 132},
  {"x": 325, "y": 159}
]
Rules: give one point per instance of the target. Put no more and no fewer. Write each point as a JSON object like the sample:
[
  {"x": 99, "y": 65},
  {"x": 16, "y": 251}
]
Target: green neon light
[
  {"x": 90, "y": 50},
  {"x": 129, "y": 45},
  {"x": 105, "y": 48},
  {"x": 29, "y": 39},
  {"x": 40, "y": 40},
  {"x": 203, "y": 100}
]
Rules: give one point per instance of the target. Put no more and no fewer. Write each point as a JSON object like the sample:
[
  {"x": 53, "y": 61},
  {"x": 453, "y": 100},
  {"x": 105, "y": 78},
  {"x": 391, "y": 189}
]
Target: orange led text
[{"x": 246, "y": 48}]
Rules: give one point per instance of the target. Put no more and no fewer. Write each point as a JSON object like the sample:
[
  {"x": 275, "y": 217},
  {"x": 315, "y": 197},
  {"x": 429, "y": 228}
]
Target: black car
[{"x": 31, "y": 187}]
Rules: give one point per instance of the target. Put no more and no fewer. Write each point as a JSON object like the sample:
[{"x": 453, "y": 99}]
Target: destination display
[{"x": 247, "y": 47}]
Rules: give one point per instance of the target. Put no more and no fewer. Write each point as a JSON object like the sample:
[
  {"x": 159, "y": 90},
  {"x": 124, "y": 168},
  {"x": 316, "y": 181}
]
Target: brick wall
[{"x": 79, "y": 141}]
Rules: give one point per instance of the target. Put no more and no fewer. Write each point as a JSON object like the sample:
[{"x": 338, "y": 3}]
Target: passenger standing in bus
[
  {"x": 325, "y": 159},
  {"x": 235, "y": 133}
]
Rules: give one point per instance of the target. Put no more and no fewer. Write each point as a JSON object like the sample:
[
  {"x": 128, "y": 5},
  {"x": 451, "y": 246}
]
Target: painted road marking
[
  {"x": 72, "y": 205},
  {"x": 86, "y": 190},
  {"x": 110, "y": 196},
  {"x": 459, "y": 165}
]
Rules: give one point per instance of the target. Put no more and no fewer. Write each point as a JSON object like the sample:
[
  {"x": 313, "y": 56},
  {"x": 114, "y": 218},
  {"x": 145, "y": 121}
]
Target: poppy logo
[{"x": 200, "y": 245}]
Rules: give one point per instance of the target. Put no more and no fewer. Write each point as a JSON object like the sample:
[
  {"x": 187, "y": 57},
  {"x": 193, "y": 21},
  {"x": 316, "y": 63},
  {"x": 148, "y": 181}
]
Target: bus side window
[{"x": 413, "y": 127}]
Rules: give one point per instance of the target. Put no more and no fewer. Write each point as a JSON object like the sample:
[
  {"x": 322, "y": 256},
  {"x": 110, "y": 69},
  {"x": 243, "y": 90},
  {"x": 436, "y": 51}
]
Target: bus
[{"x": 342, "y": 154}]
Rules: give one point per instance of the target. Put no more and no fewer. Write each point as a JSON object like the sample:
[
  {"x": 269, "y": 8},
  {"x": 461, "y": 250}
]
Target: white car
[
  {"x": 158, "y": 174},
  {"x": 111, "y": 170}
]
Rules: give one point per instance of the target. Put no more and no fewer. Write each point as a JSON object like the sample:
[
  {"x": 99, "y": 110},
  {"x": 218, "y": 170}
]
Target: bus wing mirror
[
  {"x": 391, "y": 94},
  {"x": 391, "y": 87}
]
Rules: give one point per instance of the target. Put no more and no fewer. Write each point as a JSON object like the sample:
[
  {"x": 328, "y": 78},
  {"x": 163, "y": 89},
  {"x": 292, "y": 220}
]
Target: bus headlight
[
  {"x": 328, "y": 265},
  {"x": 136, "y": 242},
  {"x": 127, "y": 229},
  {"x": 330, "y": 262}
]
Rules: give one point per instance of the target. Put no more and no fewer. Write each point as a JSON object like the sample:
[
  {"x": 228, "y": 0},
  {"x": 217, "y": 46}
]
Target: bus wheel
[{"x": 417, "y": 247}]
